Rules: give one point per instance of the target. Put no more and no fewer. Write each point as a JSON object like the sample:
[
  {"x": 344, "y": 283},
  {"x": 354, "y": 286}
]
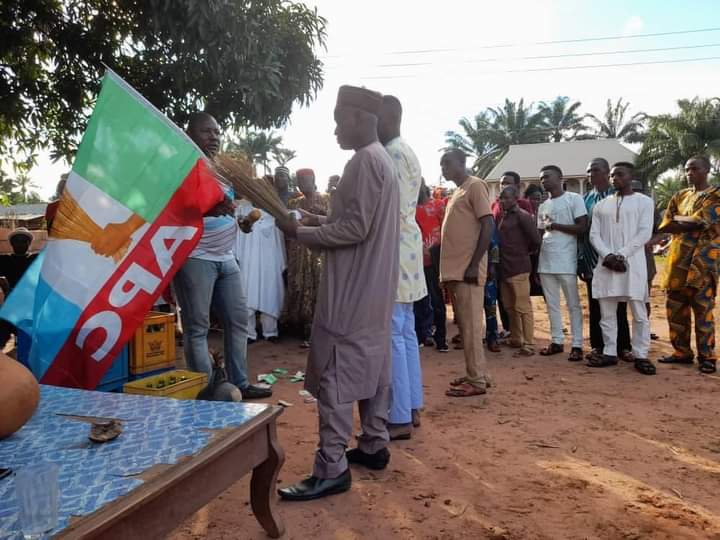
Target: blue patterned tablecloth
[{"x": 158, "y": 430}]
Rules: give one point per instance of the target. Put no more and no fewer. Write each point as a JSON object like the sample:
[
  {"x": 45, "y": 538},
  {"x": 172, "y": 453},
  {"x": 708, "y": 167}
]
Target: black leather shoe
[
  {"x": 377, "y": 461},
  {"x": 315, "y": 488},
  {"x": 255, "y": 392}
]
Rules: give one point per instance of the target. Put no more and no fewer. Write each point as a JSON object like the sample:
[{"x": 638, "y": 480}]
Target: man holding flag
[
  {"x": 131, "y": 214},
  {"x": 211, "y": 276}
]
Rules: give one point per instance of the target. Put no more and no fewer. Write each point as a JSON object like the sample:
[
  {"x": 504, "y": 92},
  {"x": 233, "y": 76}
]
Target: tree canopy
[
  {"x": 615, "y": 125},
  {"x": 244, "y": 61},
  {"x": 260, "y": 147},
  {"x": 490, "y": 133},
  {"x": 673, "y": 138}
]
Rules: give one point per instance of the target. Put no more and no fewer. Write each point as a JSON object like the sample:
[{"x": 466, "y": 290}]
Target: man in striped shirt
[{"x": 211, "y": 276}]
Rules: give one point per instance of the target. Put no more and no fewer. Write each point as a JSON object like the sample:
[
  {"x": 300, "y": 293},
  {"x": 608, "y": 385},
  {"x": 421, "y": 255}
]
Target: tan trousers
[
  {"x": 469, "y": 302},
  {"x": 516, "y": 297}
]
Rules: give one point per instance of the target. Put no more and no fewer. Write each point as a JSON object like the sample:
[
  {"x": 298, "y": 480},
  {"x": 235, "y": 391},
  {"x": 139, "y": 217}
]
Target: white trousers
[
  {"x": 268, "y": 323},
  {"x": 552, "y": 284},
  {"x": 640, "y": 326}
]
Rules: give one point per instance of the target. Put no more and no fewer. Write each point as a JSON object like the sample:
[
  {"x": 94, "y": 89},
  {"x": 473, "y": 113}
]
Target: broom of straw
[
  {"x": 235, "y": 170},
  {"x": 73, "y": 223}
]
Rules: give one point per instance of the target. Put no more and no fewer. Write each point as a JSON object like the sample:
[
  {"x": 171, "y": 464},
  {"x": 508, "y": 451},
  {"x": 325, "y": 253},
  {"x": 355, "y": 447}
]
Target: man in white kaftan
[
  {"x": 622, "y": 225},
  {"x": 261, "y": 255}
]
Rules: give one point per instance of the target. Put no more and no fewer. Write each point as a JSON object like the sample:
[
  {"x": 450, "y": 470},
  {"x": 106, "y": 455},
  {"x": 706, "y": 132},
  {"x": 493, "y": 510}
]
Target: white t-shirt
[{"x": 558, "y": 253}]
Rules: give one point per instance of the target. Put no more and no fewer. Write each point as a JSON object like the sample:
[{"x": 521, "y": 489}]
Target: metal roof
[
  {"x": 23, "y": 211},
  {"x": 572, "y": 157}
]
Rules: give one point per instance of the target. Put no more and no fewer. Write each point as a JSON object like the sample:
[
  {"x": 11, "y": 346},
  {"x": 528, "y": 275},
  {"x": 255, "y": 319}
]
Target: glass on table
[{"x": 36, "y": 487}]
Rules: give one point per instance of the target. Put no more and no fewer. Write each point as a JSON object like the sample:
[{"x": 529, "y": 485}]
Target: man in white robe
[
  {"x": 622, "y": 224},
  {"x": 261, "y": 255}
]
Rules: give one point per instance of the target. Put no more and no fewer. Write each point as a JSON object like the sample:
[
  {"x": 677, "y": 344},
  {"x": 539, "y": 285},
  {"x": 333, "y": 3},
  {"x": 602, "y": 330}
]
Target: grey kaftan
[{"x": 352, "y": 322}]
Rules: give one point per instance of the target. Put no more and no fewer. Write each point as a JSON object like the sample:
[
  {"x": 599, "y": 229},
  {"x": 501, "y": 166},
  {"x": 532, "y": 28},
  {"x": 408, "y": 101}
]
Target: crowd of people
[{"x": 364, "y": 273}]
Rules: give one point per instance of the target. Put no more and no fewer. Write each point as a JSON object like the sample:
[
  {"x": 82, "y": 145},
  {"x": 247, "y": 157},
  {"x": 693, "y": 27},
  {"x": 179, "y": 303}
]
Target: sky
[{"x": 452, "y": 59}]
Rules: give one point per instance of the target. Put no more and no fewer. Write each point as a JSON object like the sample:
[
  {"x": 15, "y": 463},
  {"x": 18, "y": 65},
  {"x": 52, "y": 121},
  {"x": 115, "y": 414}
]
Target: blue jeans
[
  {"x": 491, "y": 326},
  {"x": 407, "y": 389},
  {"x": 199, "y": 285}
]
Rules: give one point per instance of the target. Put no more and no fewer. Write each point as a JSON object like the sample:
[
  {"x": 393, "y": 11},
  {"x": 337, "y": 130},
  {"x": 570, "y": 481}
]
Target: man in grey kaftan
[{"x": 350, "y": 354}]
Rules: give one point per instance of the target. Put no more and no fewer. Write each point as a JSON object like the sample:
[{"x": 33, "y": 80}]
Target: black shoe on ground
[
  {"x": 377, "y": 461},
  {"x": 274, "y": 340},
  {"x": 443, "y": 347},
  {"x": 251, "y": 341},
  {"x": 255, "y": 392},
  {"x": 315, "y": 488}
]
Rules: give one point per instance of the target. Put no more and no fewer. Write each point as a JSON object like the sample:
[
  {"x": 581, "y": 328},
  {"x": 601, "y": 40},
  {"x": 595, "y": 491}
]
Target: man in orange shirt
[{"x": 466, "y": 235}]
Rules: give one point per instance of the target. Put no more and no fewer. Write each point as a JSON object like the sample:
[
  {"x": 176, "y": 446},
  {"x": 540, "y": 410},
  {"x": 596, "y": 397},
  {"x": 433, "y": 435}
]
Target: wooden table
[{"x": 162, "y": 496}]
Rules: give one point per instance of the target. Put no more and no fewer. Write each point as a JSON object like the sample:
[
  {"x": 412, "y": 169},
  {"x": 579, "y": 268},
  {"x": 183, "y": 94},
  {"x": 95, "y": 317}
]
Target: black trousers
[
  {"x": 596, "y": 338},
  {"x": 437, "y": 299}
]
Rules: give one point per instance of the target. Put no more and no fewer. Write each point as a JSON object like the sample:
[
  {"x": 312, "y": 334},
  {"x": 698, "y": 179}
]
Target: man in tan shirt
[{"x": 466, "y": 235}]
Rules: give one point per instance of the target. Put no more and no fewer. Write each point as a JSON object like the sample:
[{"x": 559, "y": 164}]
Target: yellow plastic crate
[
  {"x": 163, "y": 386},
  {"x": 153, "y": 346}
]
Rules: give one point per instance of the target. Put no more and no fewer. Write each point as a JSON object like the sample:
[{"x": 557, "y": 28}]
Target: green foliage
[
  {"x": 673, "y": 138},
  {"x": 562, "y": 119},
  {"x": 260, "y": 147},
  {"x": 246, "y": 62},
  {"x": 668, "y": 187},
  {"x": 614, "y": 125},
  {"x": 489, "y": 135}
]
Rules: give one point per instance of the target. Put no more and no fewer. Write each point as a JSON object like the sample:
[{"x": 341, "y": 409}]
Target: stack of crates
[{"x": 152, "y": 349}]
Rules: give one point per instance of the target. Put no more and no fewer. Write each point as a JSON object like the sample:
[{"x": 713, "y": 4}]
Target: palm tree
[
  {"x": 614, "y": 126},
  {"x": 672, "y": 139},
  {"x": 283, "y": 156},
  {"x": 489, "y": 135},
  {"x": 665, "y": 189},
  {"x": 26, "y": 187},
  {"x": 562, "y": 119},
  {"x": 259, "y": 146}
]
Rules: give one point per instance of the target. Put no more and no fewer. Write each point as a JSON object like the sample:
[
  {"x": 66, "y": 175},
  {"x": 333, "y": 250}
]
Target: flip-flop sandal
[
  {"x": 456, "y": 339},
  {"x": 627, "y": 356},
  {"x": 603, "y": 361},
  {"x": 672, "y": 359},
  {"x": 646, "y": 367},
  {"x": 465, "y": 390},
  {"x": 576, "y": 355},
  {"x": 459, "y": 381},
  {"x": 593, "y": 352},
  {"x": 708, "y": 366},
  {"x": 551, "y": 349},
  {"x": 524, "y": 352}
]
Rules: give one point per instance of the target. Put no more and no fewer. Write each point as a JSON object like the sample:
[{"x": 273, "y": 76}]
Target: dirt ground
[{"x": 555, "y": 450}]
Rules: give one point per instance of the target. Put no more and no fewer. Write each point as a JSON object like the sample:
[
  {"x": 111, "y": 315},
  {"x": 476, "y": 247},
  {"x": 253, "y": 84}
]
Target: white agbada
[
  {"x": 261, "y": 255},
  {"x": 622, "y": 226}
]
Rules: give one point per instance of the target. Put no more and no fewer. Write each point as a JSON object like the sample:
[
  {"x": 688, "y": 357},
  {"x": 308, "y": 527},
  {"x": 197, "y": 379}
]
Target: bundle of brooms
[
  {"x": 73, "y": 223},
  {"x": 238, "y": 172}
]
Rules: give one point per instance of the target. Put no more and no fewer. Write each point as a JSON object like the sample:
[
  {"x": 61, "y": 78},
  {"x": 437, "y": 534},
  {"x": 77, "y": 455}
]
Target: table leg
[{"x": 263, "y": 485}]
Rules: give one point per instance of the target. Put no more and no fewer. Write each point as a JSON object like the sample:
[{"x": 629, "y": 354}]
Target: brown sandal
[
  {"x": 551, "y": 349},
  {"x": 576, "y": 355},
  {"x": 459, "y": 381},
  {"x": 525, "y": 351},
  {"x": 465, "y": 390}
]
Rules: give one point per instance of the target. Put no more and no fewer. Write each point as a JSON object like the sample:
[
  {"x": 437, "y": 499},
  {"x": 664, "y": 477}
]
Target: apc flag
[{"x": 130, "y": 215}]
